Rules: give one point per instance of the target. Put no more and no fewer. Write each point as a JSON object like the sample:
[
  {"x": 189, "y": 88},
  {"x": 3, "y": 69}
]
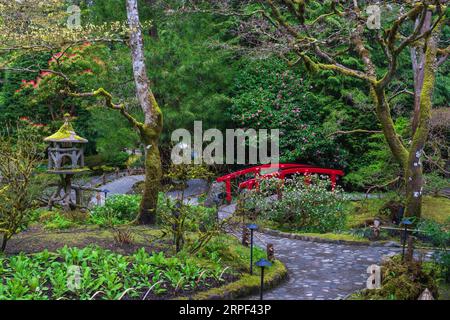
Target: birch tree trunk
[
  {"x": 150, "y": 130},
  {"x": 418, "y": 61},
  {"x": 413, "y": 170}
]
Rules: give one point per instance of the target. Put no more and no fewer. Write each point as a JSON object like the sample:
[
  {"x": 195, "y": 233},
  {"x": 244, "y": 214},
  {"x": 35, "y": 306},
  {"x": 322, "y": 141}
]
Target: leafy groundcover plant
[{"x": 96, "y": 273}]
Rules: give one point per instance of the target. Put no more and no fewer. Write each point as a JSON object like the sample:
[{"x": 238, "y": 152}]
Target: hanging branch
[
  {"x": 353, "y": 131},
  {"x": 110, "y": 104}
]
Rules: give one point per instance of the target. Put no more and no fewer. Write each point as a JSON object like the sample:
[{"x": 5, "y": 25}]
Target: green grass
[
  {"x": 434, "y": 208},
  {"x": 444, "y": 291},
  {"x": 333, "y": 236},
  {"x": 326, "y": 236}
]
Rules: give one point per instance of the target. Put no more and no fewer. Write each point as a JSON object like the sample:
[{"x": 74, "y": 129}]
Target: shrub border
[{"x": 245, "y": 286}]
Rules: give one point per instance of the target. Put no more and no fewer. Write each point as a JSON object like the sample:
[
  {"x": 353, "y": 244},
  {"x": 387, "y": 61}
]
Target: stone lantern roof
[{"x": 66, "y": 133}]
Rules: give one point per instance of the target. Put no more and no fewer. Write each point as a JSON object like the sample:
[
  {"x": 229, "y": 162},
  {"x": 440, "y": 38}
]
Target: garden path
[
  {"x": 122, "y": 185},
  {"x": 125, "y": 184},
  {"x": 119, "y": 186},
  {"x": 318, "y": 271}
]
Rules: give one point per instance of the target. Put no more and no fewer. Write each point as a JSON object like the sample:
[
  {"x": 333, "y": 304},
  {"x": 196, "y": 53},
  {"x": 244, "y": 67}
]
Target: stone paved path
[
  {"x": 119, "y": 186},
  {"x": 321, "y": 271},
  {"x": 122, "y": 185},
  {"x": 195, "y": 187}
]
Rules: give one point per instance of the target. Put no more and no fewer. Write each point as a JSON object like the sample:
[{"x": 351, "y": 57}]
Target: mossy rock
[
  {"x": 245, "y": 286},
  {"x": 402, "y": 281}
]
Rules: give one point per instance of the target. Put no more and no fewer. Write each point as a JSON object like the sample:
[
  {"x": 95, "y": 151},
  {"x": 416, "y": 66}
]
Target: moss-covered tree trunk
[
  {"x": 150, "y": 130},
  {"x": 4, "y": 238},
  {"x": 153, "y": 174},
  {"x": 410, "y": 159},
  {"x": 413, "y": 170}
]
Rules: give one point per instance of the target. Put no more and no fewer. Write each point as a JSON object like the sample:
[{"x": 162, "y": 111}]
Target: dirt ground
[{"x": 36, "y": 239}]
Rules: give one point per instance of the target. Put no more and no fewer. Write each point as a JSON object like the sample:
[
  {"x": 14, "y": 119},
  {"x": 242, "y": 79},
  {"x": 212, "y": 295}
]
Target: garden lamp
[
  {"x": 252, "y": 227},
  {"x": 106, "y": 191},
  {"x": 262, "y": 263},
  {"x": 406, "y": 222}
]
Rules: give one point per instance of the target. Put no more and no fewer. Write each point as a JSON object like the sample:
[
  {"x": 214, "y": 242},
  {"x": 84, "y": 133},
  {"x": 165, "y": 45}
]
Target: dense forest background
[{"x": 202, "y": 68}]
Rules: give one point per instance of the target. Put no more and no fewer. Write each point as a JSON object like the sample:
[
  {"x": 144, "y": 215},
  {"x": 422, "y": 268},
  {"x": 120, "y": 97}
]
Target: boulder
[{"x": 215, "y": 194}]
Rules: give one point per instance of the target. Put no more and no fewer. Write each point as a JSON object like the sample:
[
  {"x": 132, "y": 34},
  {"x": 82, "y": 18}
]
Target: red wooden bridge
[{"x": 280, "y": 171}]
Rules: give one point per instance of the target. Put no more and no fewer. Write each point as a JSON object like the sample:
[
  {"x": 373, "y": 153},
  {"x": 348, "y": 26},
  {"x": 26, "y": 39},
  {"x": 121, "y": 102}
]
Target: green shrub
[
  {"x": 439, "y": 237},
  {"x": 435, "y": 232},
  {"x": 177, "y": 219},
  {"x": 94, "y": 161},
  {"x": 434, "y": 183},
  {"x": 117, "y": 209},
  {"x": 269, "y": 94},
  {"x": 58, "y": 221},
  {"x": 310, "y": 208},
  {"x": 118, "y": 159},
  {"x": 198, "y": 216}
]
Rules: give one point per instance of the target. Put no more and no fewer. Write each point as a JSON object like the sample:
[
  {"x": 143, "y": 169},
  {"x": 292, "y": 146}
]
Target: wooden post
[
  {"x": 78, "y": 196},
  {"x": 245, "y": 236},
  {"x": 307, "y": 179},
  {"x": 270, "y": 252},
  {"x": 228, "y": 190},
  {"x": 376, "y": 228},
  {"x": 98, "y": 198},
  {"x": 280, "y": 185}
]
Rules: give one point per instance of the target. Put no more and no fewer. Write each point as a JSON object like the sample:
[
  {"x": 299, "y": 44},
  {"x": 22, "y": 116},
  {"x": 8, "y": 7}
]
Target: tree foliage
[{"x": 20, "y": 154}]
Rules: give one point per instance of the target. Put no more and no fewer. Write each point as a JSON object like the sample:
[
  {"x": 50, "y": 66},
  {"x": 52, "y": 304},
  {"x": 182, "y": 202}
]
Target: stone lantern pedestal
[{"x": 65, "y": 158}]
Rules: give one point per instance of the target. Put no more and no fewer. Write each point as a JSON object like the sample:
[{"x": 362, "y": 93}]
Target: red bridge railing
[{"x": 283, "y": 169}]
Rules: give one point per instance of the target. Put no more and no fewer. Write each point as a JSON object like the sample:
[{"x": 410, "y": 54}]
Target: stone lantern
[{"x": 65, "y": 158}]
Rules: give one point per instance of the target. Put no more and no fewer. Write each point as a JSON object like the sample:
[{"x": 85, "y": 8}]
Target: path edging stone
[{"x": 247, "y": 285}]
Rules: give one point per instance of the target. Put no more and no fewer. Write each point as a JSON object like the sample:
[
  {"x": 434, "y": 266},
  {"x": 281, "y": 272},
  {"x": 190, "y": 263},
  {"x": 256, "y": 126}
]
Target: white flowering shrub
[{"x": 310, "y": 208}]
